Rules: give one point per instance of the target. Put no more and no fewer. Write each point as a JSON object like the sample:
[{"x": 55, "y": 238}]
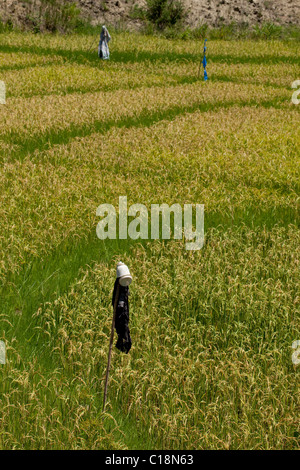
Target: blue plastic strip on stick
[{"x": 204, "y": 62}]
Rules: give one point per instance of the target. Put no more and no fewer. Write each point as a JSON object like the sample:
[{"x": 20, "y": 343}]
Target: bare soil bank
[{"x": 211, "y": 12}]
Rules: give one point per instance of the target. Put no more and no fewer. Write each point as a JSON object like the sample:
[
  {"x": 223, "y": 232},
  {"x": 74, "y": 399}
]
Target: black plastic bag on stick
[{"x": 122, "y": 318}]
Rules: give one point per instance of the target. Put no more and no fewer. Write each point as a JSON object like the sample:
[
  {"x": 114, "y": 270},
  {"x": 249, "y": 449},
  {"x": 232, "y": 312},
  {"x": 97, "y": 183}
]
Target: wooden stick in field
[
  {"x": 123, "y": 279},
  {"x": 110, "y": 345},
  {"x": 92, "y": 45}
]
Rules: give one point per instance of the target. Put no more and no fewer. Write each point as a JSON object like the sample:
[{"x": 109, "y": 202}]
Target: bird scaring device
[
  {"x": 120, "y": 317},
  {"x": 203, "y": 62}
]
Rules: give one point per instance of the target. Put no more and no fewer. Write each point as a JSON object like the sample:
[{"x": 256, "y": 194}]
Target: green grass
[{"x": 210, "y": 366}]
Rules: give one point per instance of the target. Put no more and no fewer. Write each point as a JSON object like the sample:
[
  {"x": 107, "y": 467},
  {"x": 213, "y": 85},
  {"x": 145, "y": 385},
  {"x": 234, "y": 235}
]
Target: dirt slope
[{"x": 212, "y": 12}]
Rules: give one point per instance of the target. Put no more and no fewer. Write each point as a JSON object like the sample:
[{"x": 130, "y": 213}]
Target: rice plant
[{"x": 210, "y": 366}]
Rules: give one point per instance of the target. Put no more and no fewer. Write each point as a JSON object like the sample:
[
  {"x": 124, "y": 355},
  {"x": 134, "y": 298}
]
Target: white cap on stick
[{"x": 123, "y": 274}]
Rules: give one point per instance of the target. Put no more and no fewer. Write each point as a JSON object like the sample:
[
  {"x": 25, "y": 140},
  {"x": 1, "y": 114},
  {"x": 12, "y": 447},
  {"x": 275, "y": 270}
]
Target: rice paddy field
[{"x": 212, "y": 330}]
